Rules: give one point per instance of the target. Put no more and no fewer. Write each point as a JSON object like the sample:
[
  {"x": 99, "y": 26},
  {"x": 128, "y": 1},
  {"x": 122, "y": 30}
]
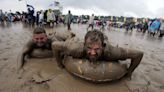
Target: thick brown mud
[{"x": 43, "y": 75}]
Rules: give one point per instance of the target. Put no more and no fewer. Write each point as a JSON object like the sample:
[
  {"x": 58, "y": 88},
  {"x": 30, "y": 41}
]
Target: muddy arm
[
  {"x": 117, "y": 53},
  {"x": 57, "y": 49},
  {"x": 26, "y": 50},
  {"x": 135, "y": 57}
]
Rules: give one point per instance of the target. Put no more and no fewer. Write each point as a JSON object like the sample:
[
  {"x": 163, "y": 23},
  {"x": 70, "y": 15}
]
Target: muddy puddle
[{"x": 43, "y": 75}]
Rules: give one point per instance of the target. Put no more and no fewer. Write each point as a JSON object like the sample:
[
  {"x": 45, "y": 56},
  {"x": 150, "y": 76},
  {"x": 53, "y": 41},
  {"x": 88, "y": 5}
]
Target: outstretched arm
[
  {"x": 117, "y": 53},
  {"x": 135, "y": 57}
]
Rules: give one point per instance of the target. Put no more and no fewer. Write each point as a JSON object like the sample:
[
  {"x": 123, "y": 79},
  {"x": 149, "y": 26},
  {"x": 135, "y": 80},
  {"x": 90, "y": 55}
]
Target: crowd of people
[
  {"x": 41, "y": 18},
  {"x": 49, "y": 18},
  {"x": 6, "y": 17},
  {"x": 151, "y": 26}
]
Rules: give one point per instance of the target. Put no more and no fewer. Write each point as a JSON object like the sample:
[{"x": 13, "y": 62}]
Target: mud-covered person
[
  {"x": 95, "y": 48},
  {"x": 42, "y": 43}
]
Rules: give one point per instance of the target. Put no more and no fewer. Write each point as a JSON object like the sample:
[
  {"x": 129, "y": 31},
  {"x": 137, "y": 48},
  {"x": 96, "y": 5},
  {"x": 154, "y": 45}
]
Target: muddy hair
[
  {"x": 95, "y": 36},
  {"x": 39, "y": 30}
]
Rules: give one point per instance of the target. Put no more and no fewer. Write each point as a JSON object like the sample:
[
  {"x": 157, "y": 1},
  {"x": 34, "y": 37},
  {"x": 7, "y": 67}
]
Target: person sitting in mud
[
  {"x": 95, "y": 48},
  {"x": 40, "y": 41}
]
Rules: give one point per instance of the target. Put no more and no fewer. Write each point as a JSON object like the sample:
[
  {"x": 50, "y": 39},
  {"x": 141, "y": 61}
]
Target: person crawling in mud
[
  {"x": 95, "y": 48},
  {"x": 41, "y": 42}
]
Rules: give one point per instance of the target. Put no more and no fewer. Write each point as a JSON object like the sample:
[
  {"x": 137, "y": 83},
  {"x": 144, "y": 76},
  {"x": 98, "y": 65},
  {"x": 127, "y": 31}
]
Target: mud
[{"x": 43, "y": 75}]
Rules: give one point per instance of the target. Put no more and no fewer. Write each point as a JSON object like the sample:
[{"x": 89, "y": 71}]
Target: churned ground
[{"x": 43, "y": 75}]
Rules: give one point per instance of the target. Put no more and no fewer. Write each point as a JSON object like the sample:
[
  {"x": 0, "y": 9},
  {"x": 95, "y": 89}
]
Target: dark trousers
[{"x": 69, "y": 26}]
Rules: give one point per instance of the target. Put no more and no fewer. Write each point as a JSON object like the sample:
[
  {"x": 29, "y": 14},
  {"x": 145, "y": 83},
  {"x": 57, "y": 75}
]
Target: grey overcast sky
[{"x": 130, "y": 8}]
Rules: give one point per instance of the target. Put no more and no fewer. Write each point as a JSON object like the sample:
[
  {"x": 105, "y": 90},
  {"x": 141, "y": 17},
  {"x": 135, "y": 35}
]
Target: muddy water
[{"x": 43, "y": 75}]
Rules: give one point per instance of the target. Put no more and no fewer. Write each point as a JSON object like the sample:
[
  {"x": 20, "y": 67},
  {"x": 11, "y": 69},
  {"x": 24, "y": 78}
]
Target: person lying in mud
[
  {"x": 40, "y": 41},
  {"x": 95, "y": 48}
]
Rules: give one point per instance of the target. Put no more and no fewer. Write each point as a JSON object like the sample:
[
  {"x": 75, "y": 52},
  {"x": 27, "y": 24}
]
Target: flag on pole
[
  {"x": 51, "y": 4},
  {"x": 55, "y": 3},
  {"x": 30, "y": 6}
]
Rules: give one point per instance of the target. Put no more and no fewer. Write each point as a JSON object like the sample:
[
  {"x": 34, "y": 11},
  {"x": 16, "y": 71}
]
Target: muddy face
[
  {"x": 93, "y": 49},
  {"x": 40, "y": 39}
]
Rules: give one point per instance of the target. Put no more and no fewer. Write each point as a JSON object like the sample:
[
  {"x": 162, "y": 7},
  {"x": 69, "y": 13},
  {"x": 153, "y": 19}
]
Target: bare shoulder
[{"x": 115, "y": 52}]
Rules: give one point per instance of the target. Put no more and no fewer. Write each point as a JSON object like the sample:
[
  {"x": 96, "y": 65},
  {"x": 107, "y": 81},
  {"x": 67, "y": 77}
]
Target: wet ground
[{"x": 43, "y": 75}]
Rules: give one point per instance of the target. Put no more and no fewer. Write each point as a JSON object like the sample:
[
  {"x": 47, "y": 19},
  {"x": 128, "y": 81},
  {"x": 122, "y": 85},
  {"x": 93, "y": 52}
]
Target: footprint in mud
[
  {"x": 154, "y": 57},
  {"x": 1, "y": 52},
  {"x": 11, "y": 37},
  {"x": 160, "y": 60},
  {"x": 3, "y": 36},
  {"x": 37, "y": 78},
  {"x": 8, "y": 43},
  {"x": 7, "y": 48},
  {"x": 161, "y": 87},
  {"x": 5, "y": 59},
  {"x": 156, "y": 69},
  {"x": 147, "y": 71}
]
